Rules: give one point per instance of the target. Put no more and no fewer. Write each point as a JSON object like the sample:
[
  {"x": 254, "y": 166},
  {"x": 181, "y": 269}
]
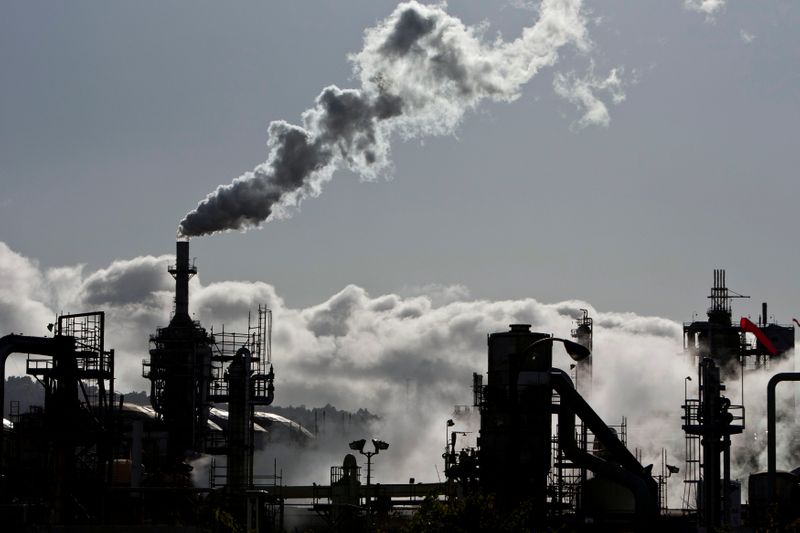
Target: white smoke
[
  {"x": 420, "y": 71},
  {"x": 707, "y": 7},
  {"x": 408, "y": 358},
  {"x": 582, "y": 91}
]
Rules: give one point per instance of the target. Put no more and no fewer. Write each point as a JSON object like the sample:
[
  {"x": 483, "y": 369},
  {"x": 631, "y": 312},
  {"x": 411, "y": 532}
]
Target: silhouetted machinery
[
  {"x": 87, "y": 458},
  {"x": 190, "y": 368},
  {"x": 724, "y": 341},
  {"x": 516, "y": 451},
  {"x": 56, "y": 463},
  {"x": 723, "y": 348},
  {"x": 179, "y": 370},
  {"x": 714, "y": 419}
]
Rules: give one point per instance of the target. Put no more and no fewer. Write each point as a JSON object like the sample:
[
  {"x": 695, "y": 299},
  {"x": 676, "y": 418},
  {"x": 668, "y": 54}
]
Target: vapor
[
  {"x": 420, "y": 70},
  {"x": 407, "y": 357},
  {"x": 582, "y": 91},
  {"x": 707, "y": 7}
]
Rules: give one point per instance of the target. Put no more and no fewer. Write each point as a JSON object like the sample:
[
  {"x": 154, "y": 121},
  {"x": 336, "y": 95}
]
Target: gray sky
[{"x": 117, "y": 118}]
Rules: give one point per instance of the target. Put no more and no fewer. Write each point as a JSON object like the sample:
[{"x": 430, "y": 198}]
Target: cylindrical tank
[
  {"x": 504, "y": 353},
  {"x": 602, "y": 497},
  {"x": 515, "y": 421},
  {"x": 787, "y": 492}
]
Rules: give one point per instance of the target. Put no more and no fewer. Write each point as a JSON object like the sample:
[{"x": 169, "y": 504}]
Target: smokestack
[{"x": 182, "y": 271}]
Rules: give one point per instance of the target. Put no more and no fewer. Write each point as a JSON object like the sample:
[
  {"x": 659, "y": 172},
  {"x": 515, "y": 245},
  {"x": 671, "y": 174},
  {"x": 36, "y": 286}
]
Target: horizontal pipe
[{"x": 393, "y": 490}]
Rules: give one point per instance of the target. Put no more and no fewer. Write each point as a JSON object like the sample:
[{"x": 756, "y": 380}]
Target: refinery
[
  {"x": 87, "y": 459},
  {"x": 494, "y": 342}
]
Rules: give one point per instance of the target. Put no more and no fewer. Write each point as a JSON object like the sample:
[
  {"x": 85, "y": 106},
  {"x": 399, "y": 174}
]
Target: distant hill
[
  {"x": 328, "y": 419},
  {"x": 24, "y": 390},
  {"x": 28, "y": 392}
]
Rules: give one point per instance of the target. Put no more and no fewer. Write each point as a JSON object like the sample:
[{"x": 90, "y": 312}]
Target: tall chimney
[{"x": 182, "y": 271}]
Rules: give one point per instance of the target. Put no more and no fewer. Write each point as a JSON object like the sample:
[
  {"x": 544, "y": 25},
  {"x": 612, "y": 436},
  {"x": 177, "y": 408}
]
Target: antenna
[{"x": 720, "y": 294}]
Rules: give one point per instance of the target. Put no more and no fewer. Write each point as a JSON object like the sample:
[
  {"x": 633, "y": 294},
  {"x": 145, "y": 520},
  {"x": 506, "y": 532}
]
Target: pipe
[
  {"x": 240, "y": 421},
  {"x": 136, "y": 453},
  {"x": 773, "y": 383},
  {"x": 182, "y": 273},
  {"x": 270, "y": 387},
  {"x": 629, "y": 472}
]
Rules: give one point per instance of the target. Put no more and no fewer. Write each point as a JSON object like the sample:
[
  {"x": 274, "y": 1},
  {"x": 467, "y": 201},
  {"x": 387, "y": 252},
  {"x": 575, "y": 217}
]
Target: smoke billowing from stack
[{"x": 420, "y": 70}]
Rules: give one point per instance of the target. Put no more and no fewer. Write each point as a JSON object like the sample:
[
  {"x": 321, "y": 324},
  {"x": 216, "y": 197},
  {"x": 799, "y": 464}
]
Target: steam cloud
[
  {"x": 407, "y": 357},
  {"x": 420, "y": 70},
  {"x": 708, "y": 7}
]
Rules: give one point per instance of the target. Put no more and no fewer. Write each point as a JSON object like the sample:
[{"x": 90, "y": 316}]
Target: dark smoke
[
  {"x": 411, "y": 26},
  {"x": 420, "y": 71}
]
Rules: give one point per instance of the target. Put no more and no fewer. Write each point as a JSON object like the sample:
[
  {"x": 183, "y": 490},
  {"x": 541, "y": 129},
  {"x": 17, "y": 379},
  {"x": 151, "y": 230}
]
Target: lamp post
[
  {"x": 379, "y": 445},
  {"x": 450, "y": 424},
  {"x": 578, "y": 352},
  {"x": 686, "y": 381},
  {"x": 446, "y": 454}
]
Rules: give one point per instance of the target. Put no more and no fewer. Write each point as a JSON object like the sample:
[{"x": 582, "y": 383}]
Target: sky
[
  {"x": 653, "y": 142},
  {"x": 118, "y": 118}
]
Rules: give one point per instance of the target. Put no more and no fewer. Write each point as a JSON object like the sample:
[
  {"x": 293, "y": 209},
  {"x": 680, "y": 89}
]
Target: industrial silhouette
[{"x": 88, "y": 460}]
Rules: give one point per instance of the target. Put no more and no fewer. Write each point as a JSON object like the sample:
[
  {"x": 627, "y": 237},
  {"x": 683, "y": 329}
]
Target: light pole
[
  {"x": 578, "y": 352},
  {"x": 450, "y": 424},
  {"x": 379, "y": 445}
]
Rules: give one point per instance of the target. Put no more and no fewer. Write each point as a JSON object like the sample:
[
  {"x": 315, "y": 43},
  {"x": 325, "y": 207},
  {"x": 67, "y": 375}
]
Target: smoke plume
[{"x": 420, "y": 71}]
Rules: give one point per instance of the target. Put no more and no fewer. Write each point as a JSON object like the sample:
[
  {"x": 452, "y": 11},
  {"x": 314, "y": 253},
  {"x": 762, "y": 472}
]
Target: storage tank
[
  {"x": 787, "y": 494},
  {"x": 515, "y": 435},
  {"x": 602, "y": 497}
]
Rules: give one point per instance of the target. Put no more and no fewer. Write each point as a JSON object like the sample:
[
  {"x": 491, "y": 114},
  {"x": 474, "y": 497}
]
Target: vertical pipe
[
  {"x": 369, "y": 479},
  {"x": 182, "y": 278},
  {"x": 709, "y": 407},
  {"x": 239, "y": 420},
  {"x": 136, "y": 454},
  {"x": 6, "y": 348},
  {"x": 726, "y": 480}
]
